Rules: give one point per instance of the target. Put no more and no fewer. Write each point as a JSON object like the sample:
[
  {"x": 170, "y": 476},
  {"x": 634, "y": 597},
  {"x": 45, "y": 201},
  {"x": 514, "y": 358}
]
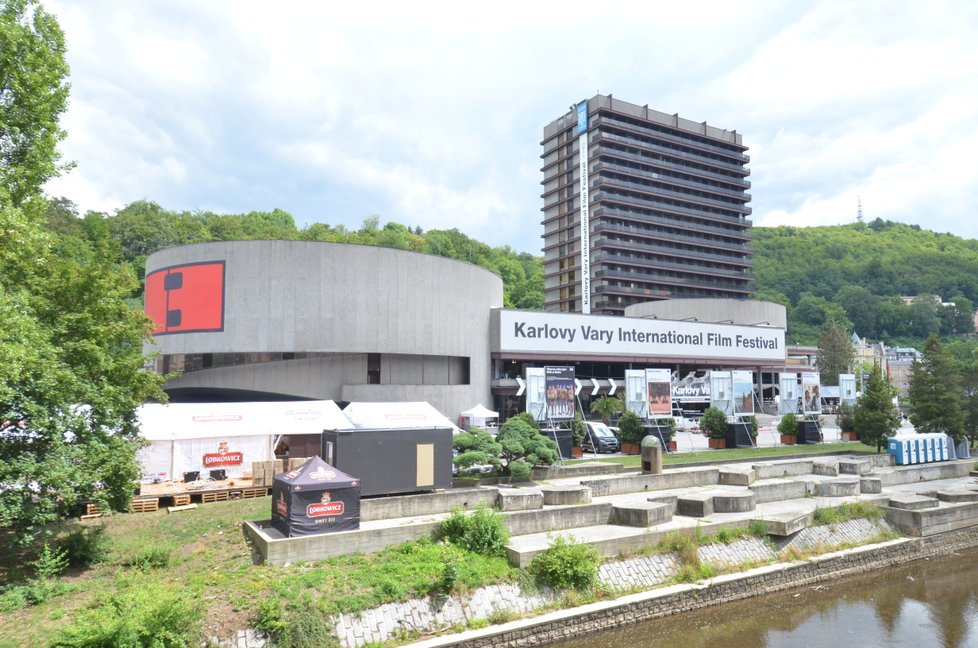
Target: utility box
[{"x": 392, "y": 460}]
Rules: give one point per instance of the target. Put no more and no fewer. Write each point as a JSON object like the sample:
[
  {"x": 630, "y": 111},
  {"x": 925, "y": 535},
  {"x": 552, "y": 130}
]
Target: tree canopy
[{"x": 71, "y": 346}]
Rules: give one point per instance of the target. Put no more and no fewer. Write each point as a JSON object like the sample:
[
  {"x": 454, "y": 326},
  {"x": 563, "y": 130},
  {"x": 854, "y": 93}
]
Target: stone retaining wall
[{"x": 676, "y": 599}]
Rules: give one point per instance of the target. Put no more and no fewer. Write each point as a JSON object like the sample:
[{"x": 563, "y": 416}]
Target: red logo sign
[
  {"x": 223, "y": 459},
  {"x": 186, "y": 298},
  {"x": 282, "y": 508},
  {"x": 325, "y": 507}
]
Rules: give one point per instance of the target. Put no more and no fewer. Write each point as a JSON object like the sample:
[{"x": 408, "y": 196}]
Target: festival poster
[
  {"x": 811, "y": 392},
  {"x": 721, "y": 391},
  {"x": 659, "y": 392},
  {"x": 847, "y": 389},
  {"x": 560, "y": 392},
  {"x": 743, "y": 388},
  {"x": 788, "y": 396}
]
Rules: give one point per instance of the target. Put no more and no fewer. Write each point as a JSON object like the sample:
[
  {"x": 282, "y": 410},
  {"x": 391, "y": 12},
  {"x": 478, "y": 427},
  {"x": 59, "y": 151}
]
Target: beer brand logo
[
  {"x": 325, "y": 507},
  {"x": 223, "y": 457},
  {"x": 281, "y": 506},
  {"x": 321, "y": 474}
]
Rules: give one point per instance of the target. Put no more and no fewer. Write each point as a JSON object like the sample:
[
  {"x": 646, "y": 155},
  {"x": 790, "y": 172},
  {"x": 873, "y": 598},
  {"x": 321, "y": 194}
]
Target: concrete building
[
  {"x": 899, "y": 368},
  {"x": 640, "y": 205},
  {"x": 280, "y": 320},
  {"x": 274, "y": 320}
]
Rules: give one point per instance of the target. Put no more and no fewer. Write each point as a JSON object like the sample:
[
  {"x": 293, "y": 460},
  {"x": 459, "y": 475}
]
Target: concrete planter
[{"x": 738, "y": 435}]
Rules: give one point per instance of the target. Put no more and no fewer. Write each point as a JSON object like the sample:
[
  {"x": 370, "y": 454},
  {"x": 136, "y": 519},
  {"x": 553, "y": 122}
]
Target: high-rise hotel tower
[{"x": 640, "y": 205}]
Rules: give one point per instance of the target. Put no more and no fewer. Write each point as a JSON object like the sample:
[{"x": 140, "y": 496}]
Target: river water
[{"x": 923, "y": 604}]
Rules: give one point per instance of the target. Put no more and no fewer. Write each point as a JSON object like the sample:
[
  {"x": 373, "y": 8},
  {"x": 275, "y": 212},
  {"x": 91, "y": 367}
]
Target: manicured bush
[
  {"x": 631, "y": 427},
  {"x": 714, "y": 423},
  {"x": 567, "y": 564},
  {"x": 519, "y": 471},
  {"x": 480, "y": 532},
  {"x": 788, "y": 425}
]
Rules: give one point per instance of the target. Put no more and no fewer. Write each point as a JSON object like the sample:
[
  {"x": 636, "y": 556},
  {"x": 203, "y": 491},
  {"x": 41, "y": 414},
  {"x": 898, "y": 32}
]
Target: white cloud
[{"x": 431, "y": 113}]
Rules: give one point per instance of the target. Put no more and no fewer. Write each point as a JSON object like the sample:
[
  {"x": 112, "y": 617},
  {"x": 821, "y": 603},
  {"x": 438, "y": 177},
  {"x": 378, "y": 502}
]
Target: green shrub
[
  {"x": 154, "y": 557},
  {"x": 567, "y": 564},
  {"x": 714, "y": 423},
  {"x": 300, "y": 625},
  {"x": 846, "y": 417},
  {"x": 631, "y": 427},
  {"x": 480, "y": 532},
  {"x": 519, "y": 470},
  {"x": 85, "y": 547},
  {"x": 51, "y": 562},
  {"x": 150, "y": 615},
  {"x": 788, "y": 425}
]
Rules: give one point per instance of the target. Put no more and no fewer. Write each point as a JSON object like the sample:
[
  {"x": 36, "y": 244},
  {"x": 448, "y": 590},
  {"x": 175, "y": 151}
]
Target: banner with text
[
  {"x": 560, "y": 392},
  {"x": 659, "y": 392},
  {"x": 572, "y": 334},
  {"x": 812, "y": 391}
]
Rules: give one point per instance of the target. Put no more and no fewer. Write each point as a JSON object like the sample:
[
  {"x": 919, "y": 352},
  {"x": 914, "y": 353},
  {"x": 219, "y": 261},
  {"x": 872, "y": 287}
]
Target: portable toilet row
[{"x": 919, "y": 448}]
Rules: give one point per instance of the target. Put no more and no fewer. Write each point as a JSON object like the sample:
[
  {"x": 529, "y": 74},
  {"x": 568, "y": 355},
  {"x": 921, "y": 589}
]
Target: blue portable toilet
[
  {"x": 927, "y": 443},
  {"x": 913, "y": 449},
  {"x": 900, "y": 450},
  {"x": 943, "y": 454}
]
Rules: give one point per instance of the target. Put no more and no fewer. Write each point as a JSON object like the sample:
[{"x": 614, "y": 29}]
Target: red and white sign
[
  {"x": 282, "y": 507},
  {"x": 325, "y": 507},
  {"x": 226, "y": 459}
]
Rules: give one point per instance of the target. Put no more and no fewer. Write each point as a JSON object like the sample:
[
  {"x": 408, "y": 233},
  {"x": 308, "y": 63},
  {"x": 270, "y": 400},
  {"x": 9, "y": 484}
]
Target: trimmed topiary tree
[
  {"x": 519, "y": 440},
  {"x": 714, "y": 423}
]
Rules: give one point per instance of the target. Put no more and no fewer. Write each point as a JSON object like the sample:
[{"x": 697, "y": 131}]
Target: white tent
[
  {"x": 187, "y": 437},
  {"x": 478, "y": 415},
  {"x": 396, "y": 415}
]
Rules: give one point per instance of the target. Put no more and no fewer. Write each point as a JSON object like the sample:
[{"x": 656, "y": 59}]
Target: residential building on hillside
[
  {"x": 899, "y": 364},
  {"x": 640, "y": 205}
]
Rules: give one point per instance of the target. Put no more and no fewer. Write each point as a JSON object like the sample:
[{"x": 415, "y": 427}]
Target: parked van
[{"x": 600, "y": 438}]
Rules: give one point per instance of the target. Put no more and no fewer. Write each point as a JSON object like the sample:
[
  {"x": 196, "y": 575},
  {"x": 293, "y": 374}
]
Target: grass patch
[{"x": 846, "y": 512}]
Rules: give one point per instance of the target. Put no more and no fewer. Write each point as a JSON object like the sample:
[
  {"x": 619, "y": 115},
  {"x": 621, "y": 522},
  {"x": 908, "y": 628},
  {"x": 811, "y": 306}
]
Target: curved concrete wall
[
  {"x": 738, "y": 311},
  {"x": 421, "y": 312}
]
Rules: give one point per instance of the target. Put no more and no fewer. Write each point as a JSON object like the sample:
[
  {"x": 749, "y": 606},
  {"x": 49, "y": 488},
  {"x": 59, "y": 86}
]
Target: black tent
[{"x": 315, "y": 498}]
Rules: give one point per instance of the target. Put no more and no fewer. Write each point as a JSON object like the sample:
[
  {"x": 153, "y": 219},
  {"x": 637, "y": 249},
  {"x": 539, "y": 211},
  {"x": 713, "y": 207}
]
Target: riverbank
[{"x": 675, "y": 599}]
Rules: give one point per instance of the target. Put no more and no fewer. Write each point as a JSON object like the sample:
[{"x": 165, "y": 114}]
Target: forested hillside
[
  {"x": 141, "y": 228},
  {"x": 851, "y": 274},
  {"x": 857, "y": 272}
]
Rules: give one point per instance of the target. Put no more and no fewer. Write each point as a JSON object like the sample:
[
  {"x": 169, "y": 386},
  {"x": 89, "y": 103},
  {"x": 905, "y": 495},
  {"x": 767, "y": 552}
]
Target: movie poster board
[
  {"x": 636, "y": 392},
  {"x": 560, "y": 393},
  {"x": 721, "y": 391},
  {"x": 658, "y": 392},
  {"x": 811, "y": 392},
  {"x": 788, "y": 394},
  {"x": 847, "y": 389},
  {"x": 743, "y": 390},
  {"x": 536, "y": 393}
]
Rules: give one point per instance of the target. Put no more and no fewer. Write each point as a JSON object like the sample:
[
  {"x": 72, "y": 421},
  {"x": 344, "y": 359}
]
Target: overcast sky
[{"x": 431, "y": 114}]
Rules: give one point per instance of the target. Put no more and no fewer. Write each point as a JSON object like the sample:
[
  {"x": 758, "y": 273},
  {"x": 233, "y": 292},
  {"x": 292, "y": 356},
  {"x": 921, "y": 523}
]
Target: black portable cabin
[
  {"x": 392, "y": 460},
  {"x": 315, "y": 498}
]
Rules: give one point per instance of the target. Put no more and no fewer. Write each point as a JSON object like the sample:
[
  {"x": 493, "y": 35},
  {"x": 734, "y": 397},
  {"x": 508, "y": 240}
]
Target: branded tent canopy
[
  {"x": 188, "y": 437},
  {"x": 315, "y": 498},
  {"x": 417, "y": 414},
  {"x": 478, "y": 415}
]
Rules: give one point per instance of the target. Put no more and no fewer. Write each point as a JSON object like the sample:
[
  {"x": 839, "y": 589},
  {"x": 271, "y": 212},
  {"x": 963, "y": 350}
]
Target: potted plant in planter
[
  {"x": 714, "y": 425},
  {"x": 631, "y": 428},
  {"x": 578, "y": 432},
  {"x": 788, "y": 429},
  {"x": 667, "y": 428},
  {"x": 846, "y": 419}
]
